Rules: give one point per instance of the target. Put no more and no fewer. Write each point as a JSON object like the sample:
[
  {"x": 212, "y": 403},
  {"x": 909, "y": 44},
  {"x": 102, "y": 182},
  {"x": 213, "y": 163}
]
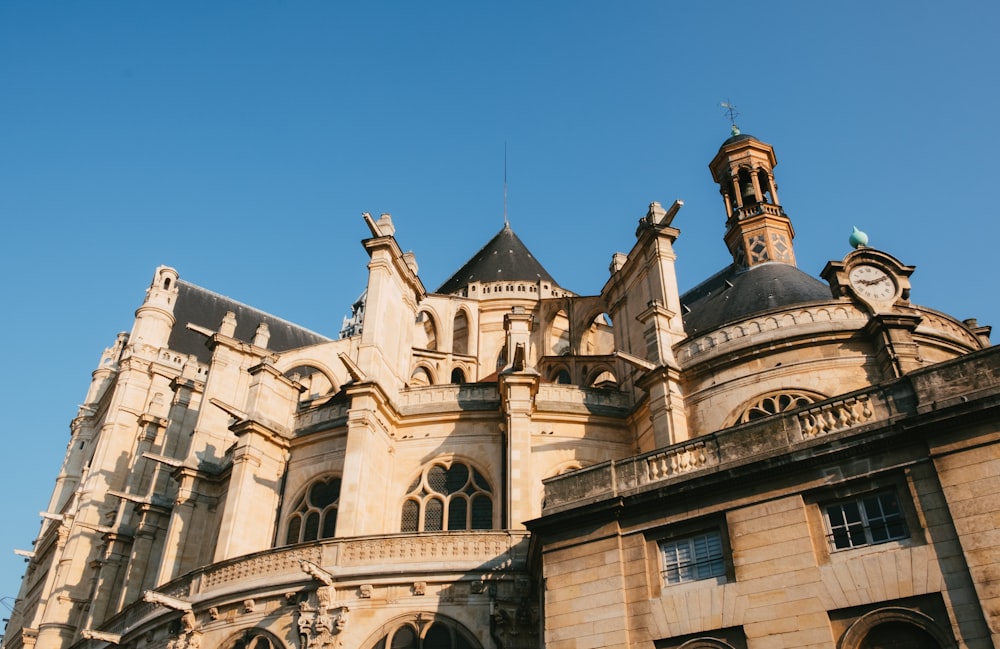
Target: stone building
[{"x": 769, "y": 460}]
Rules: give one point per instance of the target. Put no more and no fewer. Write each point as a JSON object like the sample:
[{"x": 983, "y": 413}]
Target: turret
[
  {"x": 757, "y": 228},
  {"x": 155, "y": 318}
]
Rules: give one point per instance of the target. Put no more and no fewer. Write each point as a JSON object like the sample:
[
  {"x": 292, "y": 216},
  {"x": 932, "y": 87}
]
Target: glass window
[
  {"x": 866, "y": 520},
  {"x": 693, "y": 558},
  {"x": 448, "y": 497},
  {"x": 315, "y": 513}
]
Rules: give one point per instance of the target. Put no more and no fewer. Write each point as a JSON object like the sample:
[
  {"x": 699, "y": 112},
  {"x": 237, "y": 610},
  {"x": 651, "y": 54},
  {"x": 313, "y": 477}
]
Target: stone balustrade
[
  {"x": 393, "y": 557},
  {"x": 730, "y": 448}
]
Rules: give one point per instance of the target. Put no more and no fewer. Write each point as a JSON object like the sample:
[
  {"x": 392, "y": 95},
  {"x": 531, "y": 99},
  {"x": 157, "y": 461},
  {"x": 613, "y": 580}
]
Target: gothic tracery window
[
  {"x": 314, "y": 515},
  {"x": 448, "y": 496},
  {"x": 777, "y": 402}
]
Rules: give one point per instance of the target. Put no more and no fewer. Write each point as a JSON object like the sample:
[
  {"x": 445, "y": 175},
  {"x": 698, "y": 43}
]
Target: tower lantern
[{"x": 757, "y": 228}]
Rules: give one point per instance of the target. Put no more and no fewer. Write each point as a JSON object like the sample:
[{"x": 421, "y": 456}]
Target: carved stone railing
[
  {"x": 390, "y": 556},
  {"x": 739, "y": 445},
  {"x": 320, "y": 416},
  {"x": 680, "y": 459},
  {"x": 470, "y": 396},
  {"x": 832, "y": 416},
  {"x": 555, "y": 397}
]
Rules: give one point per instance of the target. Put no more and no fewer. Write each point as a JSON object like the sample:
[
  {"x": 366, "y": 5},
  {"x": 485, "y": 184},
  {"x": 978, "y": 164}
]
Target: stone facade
[{"x": 768, "y": 460}]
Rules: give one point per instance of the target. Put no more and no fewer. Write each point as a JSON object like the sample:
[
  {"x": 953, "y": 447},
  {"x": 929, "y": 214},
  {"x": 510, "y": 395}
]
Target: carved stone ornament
[
  {"x": 319, "y": 626},
  {"x": 190, "y": 640},
  {"x": 365, "y": 591},
  {"x": 515, "y": 625},
  {"x": 189, "y": 637},
  {"x": 420, "y": 588}
]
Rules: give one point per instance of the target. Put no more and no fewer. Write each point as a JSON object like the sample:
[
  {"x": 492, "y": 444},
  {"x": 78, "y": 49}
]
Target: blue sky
[{"x": 239, "y": 142}]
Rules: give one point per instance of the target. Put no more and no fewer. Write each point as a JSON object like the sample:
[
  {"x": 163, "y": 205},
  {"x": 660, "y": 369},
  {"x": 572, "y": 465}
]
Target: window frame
[
  {"x": 471, "y": 499},
  {"x": 303, "y": 508},
  {"x": 716, "y": 559},
  {"x": 848, "y": 531}
]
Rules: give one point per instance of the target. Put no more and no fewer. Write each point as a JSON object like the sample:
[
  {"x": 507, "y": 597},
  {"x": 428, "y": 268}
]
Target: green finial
[
  {"x": 735, "y": 130},
  {"x": 858, "y": 238}
]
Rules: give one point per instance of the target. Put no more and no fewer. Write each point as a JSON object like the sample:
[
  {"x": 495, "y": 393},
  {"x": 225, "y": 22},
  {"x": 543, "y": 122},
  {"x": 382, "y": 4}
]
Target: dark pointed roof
[
  {"x": 206, "y": 309},
  {"x": 505, "y": 257},
  {"x": 736, "y": 293}
]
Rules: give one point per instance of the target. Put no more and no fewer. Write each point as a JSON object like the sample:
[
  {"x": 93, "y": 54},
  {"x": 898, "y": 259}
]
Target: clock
[{"x": 872, "y": 282}]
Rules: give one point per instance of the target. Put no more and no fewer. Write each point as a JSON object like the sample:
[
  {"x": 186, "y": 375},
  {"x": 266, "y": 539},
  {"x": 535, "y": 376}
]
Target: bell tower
[{"x": 757, "y": 228}]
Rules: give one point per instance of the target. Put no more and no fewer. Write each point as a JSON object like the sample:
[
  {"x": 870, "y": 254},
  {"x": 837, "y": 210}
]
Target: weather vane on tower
[{"x": 729, "y": 110}]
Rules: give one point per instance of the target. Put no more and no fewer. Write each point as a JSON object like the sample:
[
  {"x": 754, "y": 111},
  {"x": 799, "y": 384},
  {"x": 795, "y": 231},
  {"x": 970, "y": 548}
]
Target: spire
[{"x": 757, "y": 228}]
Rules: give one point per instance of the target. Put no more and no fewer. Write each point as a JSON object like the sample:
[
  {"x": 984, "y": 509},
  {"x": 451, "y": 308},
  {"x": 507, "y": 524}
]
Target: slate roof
[
  {"x": 505, "y": 257},
  {"x": 204, "y": 308},
  {"x": 735, "y": 293}
]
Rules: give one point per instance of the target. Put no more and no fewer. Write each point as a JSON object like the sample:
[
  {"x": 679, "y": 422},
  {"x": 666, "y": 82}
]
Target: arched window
[
  {"x": 436, "y": 635},
  {"x": 764, "y": 181},
  {"x": 747, "y": 192},
  {"x": 562, "y": 377},
  {"x": 898, "y": 635},
  {"x": 448, "y": 496},
  {"x": 775, "y": 403},
  {"x": 460, "y": 334},
  {"x": 896, "y": 627},
  {"x": 314, "y": 515},
  {"x": 457, "y": 376}
]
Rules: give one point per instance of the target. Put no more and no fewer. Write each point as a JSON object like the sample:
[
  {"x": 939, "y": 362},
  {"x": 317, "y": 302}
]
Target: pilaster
[
  {"x": 258, "y": 462},
  {"x": 517, "y": 398},
  {"x": 896, "y": 352},
  {"x": 368, "y": 462}
]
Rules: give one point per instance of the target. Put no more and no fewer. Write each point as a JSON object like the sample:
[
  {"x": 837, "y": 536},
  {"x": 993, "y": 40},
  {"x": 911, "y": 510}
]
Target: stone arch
[
  {"x": 253, "y": 639},
  {"x": 919, "y": 627},
  {"x": 557, "y": 334},
  {"x": 565, "y": 467},
  {"x": 317, "y": 380},
  {"x": 461, "y": 331},
  {"x": 422, "y": 376},
  {"x": 444, "y": 631},
  {"x": 706, "y": 643},
  {"x": 597, "y": 337},
  {"x": 560, "y": 374},
  {"x": 603, "y": 377},
  {"x": 426, "y": 330}
]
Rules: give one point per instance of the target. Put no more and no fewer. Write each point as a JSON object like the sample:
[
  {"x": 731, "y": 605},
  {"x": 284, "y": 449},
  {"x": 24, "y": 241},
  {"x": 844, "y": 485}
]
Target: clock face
[{"x": 872, "y": 283}]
